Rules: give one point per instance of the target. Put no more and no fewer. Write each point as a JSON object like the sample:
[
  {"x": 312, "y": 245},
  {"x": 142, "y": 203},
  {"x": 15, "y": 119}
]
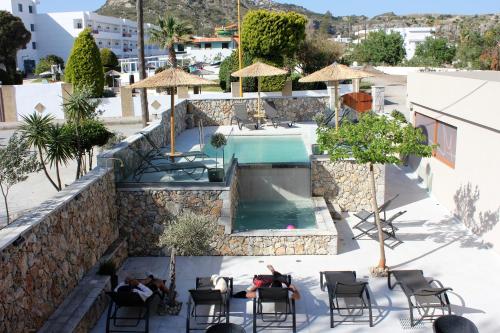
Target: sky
[{"x": 336, "y": 7}]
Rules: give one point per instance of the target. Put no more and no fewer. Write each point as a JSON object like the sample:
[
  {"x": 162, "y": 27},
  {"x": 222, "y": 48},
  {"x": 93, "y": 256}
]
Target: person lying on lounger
[
  {"x": 277, "y": 280},
  {"x": 144, "y": 287}
]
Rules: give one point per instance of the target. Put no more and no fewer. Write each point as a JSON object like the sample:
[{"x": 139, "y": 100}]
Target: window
[
  {"x": 441, "y": 134},
  {"x": 32, "y": 27},
  {"x": 225, "y": 45},
  {"x": 447, "y": 141},
  {"x": 33, "y": 45},
  {"x": 180, "y": 48},
  {"x": 20, "y": 7},
  {"x": 208, "y": 45},
  {"x": 30, "y": 9}
]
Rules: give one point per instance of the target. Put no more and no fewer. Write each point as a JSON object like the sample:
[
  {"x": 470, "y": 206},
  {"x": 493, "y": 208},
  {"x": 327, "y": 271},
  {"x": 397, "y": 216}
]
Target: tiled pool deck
[{"x": 433, "y": 242}]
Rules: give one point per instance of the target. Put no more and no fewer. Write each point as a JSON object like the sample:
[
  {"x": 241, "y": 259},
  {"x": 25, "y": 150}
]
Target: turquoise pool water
[
  {"x": 256, "y": 215},
  {"x": 264, "y": 149}
]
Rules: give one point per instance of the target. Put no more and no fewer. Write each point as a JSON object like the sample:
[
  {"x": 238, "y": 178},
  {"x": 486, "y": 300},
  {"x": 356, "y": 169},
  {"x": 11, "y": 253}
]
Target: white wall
[
  {"x": 29, "y": 95},
  {"x": 57, "y": 33},
  {"x": 470, "y": 190},
  {"x": 401, "y": 70}
]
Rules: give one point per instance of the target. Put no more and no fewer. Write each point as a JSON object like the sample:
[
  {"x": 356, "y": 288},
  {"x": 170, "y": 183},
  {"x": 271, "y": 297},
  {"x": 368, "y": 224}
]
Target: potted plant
[
  {"x": 109, "y": 268},
  {"x": 216, "y": 174},
  {"x": 188, "y": 234}
]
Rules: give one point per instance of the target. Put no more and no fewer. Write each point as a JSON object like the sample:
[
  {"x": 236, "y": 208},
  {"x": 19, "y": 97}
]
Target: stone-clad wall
[
  {"x": 144, "y": 213},
  {"x": 60, "y": 241},
  {"x": 235, "y": 245},
  {"x": 220, "y": 111},
  {"x": 345, "y": 183}
]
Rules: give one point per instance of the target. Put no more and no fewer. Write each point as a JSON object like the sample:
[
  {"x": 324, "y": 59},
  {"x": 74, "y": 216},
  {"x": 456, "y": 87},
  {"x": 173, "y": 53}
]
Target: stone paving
[{"x": 432, "y": 241}]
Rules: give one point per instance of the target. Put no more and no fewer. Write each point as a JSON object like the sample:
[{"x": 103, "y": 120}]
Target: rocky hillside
[{"x": 206, "y": 14}]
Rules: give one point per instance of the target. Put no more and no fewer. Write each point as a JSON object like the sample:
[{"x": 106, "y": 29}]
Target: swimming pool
[
  {"x": 264, "y": 149},
  {"x": 255, "y": 215}
]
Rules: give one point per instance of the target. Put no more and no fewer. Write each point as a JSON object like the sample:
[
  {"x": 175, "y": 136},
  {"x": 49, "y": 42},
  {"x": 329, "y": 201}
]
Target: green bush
[
  {"x": 45, "y": 64},
  {"x": 379, "y": 48},
  {"x": 398, "y": 116},
  {"x": 231, "y": 65},
  {"x": 84, "y": 68},
  {"x": 109, "y": 60},
  {"x": 189, "y": 234},
  {"x": 273, "y": 35},
  {"x": 296, "y": 85}
]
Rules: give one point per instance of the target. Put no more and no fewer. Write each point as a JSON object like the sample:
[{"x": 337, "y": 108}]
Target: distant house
[
  {"x": 207, "y": 49},
  {"x": 412, "y": 36},
  {"x": 459, "y": 112}
]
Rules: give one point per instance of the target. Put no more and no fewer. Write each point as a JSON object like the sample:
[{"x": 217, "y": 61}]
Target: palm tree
[
  {"x": 79, "y": 107},
  {"x": 59, "y": 149},
  {"x": 35, "y": 130},
  {"x": 170, "y": 31}
]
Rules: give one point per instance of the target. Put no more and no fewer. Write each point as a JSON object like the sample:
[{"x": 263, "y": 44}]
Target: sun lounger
[
  {"x": 127, "y": 299},
  {"x": 422, "y": 294},
  {"x": 343, "y": 285},
  {"x": 284, "y": 305},
  {"x": 242, "y": 118},
  {"x": 364, "y": 217},
  {"x": 273, "y": 115},
  {"x": 188, "y": 168},
  {"x": 163, "y": 152},
  {"x": 204, "y": 295},
  {"x": 369, "y": 228}
]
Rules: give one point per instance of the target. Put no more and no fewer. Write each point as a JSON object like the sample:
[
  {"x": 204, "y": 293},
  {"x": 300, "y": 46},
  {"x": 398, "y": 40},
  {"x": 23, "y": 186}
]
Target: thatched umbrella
[
  {"x": 258, "y": 70},
  {"x": 172, "y": 78},
  {"x": 333, "y": 74}
]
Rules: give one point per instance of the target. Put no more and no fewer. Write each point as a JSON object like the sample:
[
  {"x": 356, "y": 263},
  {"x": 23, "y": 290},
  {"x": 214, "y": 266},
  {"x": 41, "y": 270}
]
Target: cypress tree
[{"x": 84, "y": 68}]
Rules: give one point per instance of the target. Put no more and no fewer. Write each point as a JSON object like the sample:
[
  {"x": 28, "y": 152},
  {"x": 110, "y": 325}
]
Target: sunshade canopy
[
  {"x": 259, "y": 69},
  {"x": 335, "y": 72},
  {"x": 172, "y": 77}
]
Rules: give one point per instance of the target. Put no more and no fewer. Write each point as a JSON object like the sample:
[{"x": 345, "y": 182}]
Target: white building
[
  {"x": 456, "y": 111},
  {"x": 57, "y": 32},
  {"x": 412, "y": 36},
  {"x": 26, "y": 10}
]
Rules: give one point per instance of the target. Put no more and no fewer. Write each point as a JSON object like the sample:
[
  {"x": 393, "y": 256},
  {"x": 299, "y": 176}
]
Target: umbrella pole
[
  {"x": 172, "y": 124},
  {"x": 337, "y": 108}
]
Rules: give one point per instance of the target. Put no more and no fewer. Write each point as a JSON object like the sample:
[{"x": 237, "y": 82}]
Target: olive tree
[
  {"x": 374, "y": 140},
  {"x": 188, "y": 234},
  {"x": 16, "y": 162}
]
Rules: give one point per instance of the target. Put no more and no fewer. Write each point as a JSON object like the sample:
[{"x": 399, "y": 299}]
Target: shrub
[
  {"x": 84, "y": 68},
  {"x": 218, "y": 140},
  {"x": 45, "y": 64},
  {"x": 189, "y": 234},
  {"x": 398, "y": 116},
  {"x": 231, "y": 65},
  {"x": 109, "y": 60},
  {"x": 296, "y": 85}
]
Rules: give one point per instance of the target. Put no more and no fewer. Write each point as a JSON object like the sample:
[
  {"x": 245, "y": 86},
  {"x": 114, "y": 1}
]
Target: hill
[{"x": 205, "y": 15}]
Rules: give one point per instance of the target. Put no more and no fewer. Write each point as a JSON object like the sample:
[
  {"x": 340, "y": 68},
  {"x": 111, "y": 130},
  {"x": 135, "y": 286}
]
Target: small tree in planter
[
  {"x": 374, "y": 140},
  {"x": 188, "y": 234},
  {"x": 216, "y": 174}
]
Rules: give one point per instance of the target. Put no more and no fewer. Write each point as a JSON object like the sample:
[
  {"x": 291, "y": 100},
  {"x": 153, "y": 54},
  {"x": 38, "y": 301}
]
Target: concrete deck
[{"x": 433, "y": 242}]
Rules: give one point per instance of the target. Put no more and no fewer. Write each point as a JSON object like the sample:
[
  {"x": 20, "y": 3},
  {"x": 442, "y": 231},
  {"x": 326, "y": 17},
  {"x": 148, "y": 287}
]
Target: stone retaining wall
[
  {"x": 44, "y": 254},
  {"x": 215, "y": 112},
  {"x": 345, "y": 183}
]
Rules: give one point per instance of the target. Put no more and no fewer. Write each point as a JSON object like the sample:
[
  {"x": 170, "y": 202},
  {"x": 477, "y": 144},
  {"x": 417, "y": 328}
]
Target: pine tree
[{"x": 84, "y": 68}]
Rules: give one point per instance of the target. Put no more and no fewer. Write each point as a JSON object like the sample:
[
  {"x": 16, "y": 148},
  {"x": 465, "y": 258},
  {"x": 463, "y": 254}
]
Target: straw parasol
[
  {"x": 335, "y": 73},
  {"x": 258, "y": 70},
  {"x": 172, "y": 78}
]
